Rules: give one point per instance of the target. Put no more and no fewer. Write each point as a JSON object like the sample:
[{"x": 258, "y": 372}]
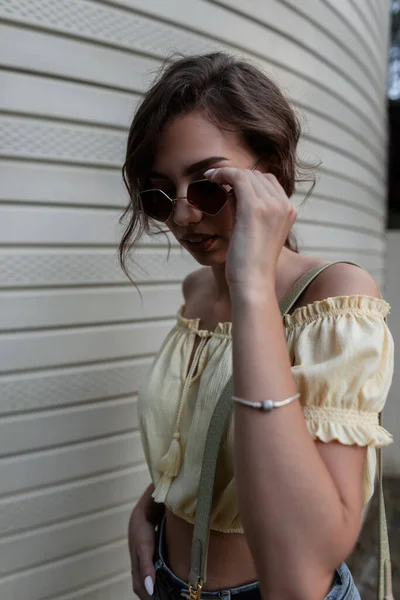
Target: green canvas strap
[
  {"x": 385, "y": 591},
  {"x": 287, "y": 303},
  {"x": 218, "y": 426},
  {"x": 215, "y": 434}
]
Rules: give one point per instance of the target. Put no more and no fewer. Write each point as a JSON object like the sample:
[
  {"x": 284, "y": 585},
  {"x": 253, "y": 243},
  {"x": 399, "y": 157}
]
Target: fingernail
[
  {"x": 148, "y": 584},
  {"x": 209, "y": 173}
]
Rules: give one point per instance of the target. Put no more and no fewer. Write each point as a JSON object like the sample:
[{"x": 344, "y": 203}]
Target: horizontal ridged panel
[
  {"x": 19, "y": 351},
  {"x": 53, "y": 543},
  {"x": 119, "y": 587},
  {"x": 52, "y": 388},
  {"x": 69, "y": 307},
  {"x": 81, "y": 60},
  {"x": 340, "y": 31},
  {"x": 74, "y": 144},
  {"x": 351, "y": 192},
  {"x": 314, "y": 40},
  {"x": 68, "y": 574},
  {"x": 38, "y": 96},
  {"x": 67, "y": 426},
  {"x": 96, "y": 227},
  {"x": 56, "y": 466},
  {"x": 31, "y": 268},
  {"x": 336, "y": 212},
  {"x": 324, "y": 236},
  {"x": 28, "y": 138},
  {"x": 92, "y": 226},
  {"x": 84, "y": 62},
  {"x": 354, "y": 14},
  {"x": 28, "y": 94},
  {"x": 38, "y": 508},
  {"x": 261, "y": 41},
  {"x": 61, "y": 184}
]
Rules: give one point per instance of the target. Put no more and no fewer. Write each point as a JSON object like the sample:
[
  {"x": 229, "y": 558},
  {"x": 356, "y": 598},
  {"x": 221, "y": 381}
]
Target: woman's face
[{"x": 187, "y": 147}]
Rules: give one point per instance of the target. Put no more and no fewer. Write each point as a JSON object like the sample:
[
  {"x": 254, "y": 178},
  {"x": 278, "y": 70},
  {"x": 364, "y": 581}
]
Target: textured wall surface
[{"x": 75, "y": 339}]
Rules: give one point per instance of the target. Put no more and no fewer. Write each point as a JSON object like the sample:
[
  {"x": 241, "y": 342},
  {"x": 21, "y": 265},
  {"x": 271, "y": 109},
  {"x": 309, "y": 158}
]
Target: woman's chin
[{"x": 210, "y": 259}]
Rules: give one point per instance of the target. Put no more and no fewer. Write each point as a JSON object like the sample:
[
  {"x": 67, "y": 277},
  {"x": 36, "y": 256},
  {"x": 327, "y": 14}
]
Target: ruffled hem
[
  {"x": 222, "y": 329},
  {"x": 335, "y": 306},
  {"x": 213, "y": 526},
  {"x": 367, "y": 432},
  {"x": 338, "y": 305}
]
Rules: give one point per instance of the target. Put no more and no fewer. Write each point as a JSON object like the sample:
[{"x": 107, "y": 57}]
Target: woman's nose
[{"x": 184, "y": 213}]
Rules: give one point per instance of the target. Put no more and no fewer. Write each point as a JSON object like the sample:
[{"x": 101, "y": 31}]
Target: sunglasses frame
[{"x": 173, "y": 201}]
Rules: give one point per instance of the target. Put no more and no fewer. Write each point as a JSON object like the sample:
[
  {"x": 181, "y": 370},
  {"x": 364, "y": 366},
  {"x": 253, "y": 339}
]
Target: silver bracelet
[{"x": 266, "y": 405}]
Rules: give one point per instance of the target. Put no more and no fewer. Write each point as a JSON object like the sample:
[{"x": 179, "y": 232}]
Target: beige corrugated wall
[{"x": 75, "y": 338}]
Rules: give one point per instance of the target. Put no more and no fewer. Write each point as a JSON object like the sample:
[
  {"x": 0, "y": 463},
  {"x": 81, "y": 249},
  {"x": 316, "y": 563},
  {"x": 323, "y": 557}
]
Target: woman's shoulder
[
  {"x": 338, "y": 280},
  {"x": 194, "y": 282},
  {"x": 198, "y": 292}
]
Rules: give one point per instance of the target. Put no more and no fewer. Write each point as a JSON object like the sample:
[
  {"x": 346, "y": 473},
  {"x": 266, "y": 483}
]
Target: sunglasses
[{"x": 207, "y": 196}]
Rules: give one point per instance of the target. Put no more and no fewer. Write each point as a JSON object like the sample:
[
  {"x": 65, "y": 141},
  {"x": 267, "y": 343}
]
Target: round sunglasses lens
[
  {"x": 156, "y": 205},
  {"x": 207, "y": 196}
]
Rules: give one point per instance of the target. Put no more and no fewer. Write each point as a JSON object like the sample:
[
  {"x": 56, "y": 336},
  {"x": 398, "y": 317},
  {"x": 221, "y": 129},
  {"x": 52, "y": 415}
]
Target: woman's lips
[{"x": 200, "y": 244}]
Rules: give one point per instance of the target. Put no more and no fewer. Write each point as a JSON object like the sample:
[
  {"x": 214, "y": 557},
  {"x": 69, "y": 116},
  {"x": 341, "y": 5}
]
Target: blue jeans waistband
[
  {"x": 343, "y": 587},
  {"x": 251, "y": 589}
]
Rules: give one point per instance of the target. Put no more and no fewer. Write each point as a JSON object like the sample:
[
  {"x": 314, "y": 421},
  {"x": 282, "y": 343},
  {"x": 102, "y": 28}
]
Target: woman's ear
[
  {"x": 261, "y": 165},
  {"x": 273, "y": 165}
]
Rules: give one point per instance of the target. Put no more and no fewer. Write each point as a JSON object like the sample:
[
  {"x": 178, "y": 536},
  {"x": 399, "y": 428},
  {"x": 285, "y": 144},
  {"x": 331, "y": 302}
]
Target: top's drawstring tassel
[{"x": 170, "y": 465}]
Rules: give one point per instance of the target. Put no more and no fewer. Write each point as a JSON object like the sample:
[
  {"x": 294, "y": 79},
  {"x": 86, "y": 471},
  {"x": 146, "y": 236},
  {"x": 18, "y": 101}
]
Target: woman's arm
[
  {"x": 300, "y": 501},
  {"x": 141, "y": 541},
  {"x": 301, "y": 508}
]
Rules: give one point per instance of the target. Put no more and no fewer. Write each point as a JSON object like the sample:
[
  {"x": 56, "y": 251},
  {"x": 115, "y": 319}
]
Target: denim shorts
[{"x": 169, "y": 587}]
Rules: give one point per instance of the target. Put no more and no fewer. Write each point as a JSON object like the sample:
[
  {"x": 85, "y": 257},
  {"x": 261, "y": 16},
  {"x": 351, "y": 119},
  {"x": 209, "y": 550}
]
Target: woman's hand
[
  {"x": 141, "y": 541},
  {"x": 263, "y": 217}
]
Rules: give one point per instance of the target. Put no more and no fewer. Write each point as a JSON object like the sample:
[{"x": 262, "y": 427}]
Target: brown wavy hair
[{"x": 235, "y": 95}]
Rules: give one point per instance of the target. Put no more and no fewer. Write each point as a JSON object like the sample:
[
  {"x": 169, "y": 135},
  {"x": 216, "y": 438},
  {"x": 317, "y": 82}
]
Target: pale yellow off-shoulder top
[{"x": 342, "y": 355}]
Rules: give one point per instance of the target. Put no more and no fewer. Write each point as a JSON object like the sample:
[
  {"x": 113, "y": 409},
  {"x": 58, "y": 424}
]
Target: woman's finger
[
  {"x": 256, "y": 180},
  {"x": 145, "y": 550},
  {"x": 275, "y": 183},
  {"x": 243, "y": 181},
  {"x": 239, "y": 179},
  {"x": 137, "y": 581},
  {"x": 141, "y": 541},
  {"x": 232, "y": 176},
  {"x": 265, "y": 185}
]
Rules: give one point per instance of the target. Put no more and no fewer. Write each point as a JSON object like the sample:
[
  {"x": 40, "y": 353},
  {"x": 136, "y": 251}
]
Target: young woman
[{"x": 212, "y": 155}]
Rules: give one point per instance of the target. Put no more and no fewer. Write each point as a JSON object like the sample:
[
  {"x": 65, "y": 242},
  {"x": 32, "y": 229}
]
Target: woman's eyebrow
[
  {"x": 203, "y": 165},
  {"x": 194, "y": 168}
]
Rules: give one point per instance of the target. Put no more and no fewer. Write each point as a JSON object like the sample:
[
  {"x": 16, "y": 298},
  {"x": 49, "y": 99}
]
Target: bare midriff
[{"x": 229, "y": 561}]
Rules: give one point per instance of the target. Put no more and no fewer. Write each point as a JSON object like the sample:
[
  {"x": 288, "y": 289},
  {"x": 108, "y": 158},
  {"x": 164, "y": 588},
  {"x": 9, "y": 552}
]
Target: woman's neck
[
  {"x": 221, "y": 283},
  {"x": 222, "y": 286}
]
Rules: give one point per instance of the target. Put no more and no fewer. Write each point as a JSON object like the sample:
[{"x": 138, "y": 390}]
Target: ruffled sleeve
[{"x": 342, "y": 353}]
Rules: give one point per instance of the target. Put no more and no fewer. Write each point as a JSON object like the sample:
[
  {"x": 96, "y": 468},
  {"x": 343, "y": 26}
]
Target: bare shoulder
[
  {"x": 193, "y": 282},
  {"x": 341, "y": 279}
]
